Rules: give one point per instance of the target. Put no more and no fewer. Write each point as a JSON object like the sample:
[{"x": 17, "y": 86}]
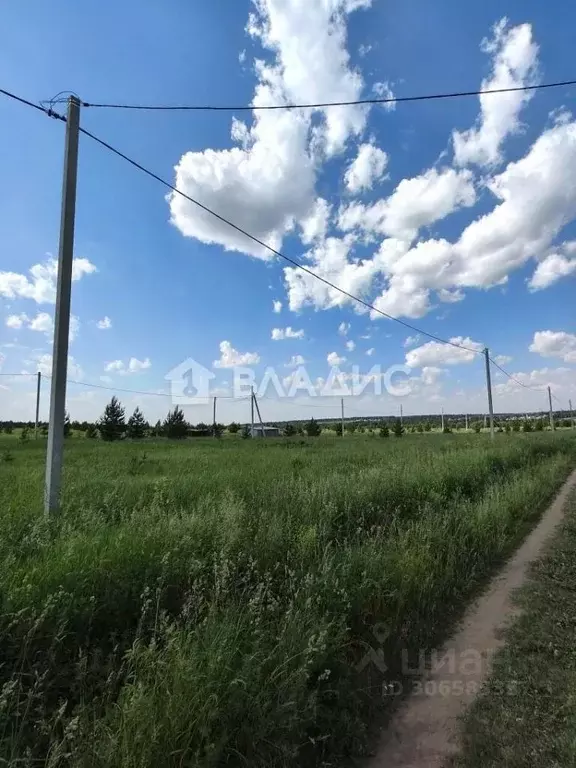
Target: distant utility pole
[
  {"x": 342, "y": 407},
  {"x": 259, "y": 416},
  {"x": 551, "y": 411},
  {"x": 38, "y": 384},
  {"x": 62, "y": 312},
  {"x": 214, "y": 418},
  {"x": 571, "y": 414},
  {"x": 442, "y": 419},
  {"x": 489, "y": 388},
  {"x": 466, "y": 419},
  {"x": 252, "y": 411},
  {"x": 401, "y": 416}
]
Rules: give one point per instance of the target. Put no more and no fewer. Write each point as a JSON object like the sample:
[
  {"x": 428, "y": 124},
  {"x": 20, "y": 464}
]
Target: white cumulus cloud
[
  {"x": 230, "y": 357},
  {"x": 554, "y": 266},
  {"x": 334, "y": 359},
  {"x": 40, "y": 284},
  {"x": 134, "y": 365},
  {"x": 434, "y": 353},
  {"x": 367, "y": 168},
  {"x": 104, "y": 324},
  {"x": 279, "y": 334},
  {"x": 555, "y": 344},
  {"x": 515, "y": 65}
]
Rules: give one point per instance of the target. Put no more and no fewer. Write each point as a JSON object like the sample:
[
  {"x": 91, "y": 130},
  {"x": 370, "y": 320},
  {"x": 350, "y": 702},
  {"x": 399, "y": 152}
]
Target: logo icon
[{"x": 190, "y": 383}]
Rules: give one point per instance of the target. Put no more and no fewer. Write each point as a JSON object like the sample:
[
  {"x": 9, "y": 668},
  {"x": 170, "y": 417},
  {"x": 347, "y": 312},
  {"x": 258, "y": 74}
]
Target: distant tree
[
  {"x": 384, "y": 431},
  {"x": 91, "y": 432},
  {"x": 397, "y": 428},
  {"x": 427, "y": 426},
  {"x": 362, "y": 430},
  {"x": 338, "y": 429},
  {"x": 112, "y": 425},
  {"x": 8, "y": 429},
  {"x": 419, "y": 427},
  {"x": 527, "y": 426},
  {"x": 24, "y": 434},
  {"x": 312, "y": 428},
  {"x": 539, "y": 426},
  {"x": 245, "y": 434},
  {"x": 217, "y": 430},
  {"x": 350, "y": 427},
  {"x": 137, "y": 425},
  {"x": 156, "y": 430},
  {"x": 447, "y": 430},
  {"x": 67, "y": 425},
  {"x": 507, "y": 427},
  {"x": 175, "y": 425},
  {"x": 515, "y": 426},
  {"x": 233, "y": 428},
  {"x": 477, "y": 427},
  {"x": 44, "y": 430},
  {"x": 289, "y": 430}
]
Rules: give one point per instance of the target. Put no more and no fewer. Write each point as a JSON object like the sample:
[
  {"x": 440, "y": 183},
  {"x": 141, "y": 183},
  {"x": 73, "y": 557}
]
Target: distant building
[{"x": 258, "y": 431}]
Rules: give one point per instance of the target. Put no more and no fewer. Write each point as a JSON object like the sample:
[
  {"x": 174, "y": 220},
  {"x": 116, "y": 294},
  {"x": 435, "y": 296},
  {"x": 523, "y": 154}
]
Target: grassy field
[
  {"x": 527, "y": 713},
  {"x": 210, "y": 603}
]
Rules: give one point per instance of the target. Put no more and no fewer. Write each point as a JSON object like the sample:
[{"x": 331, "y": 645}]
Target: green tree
[
  {"x": 397, "y": 428},
  {"x": 175, "y": 425},
  {"x": 233, "y": 428},
  {"x": 289, "y": 430},
  {"x": 384, "y": 431},
  {"x": 515, "y": 426},
  {"x": 527, "y": 426},
  {"x": 91, "y": 432},
  {"x": 246, "y": 434},
  {"x": 338, "y": 429},
  {"x": 24, "y": 434},
  {"x": 312, "y": 428},
  {"x": 539, "y": 426},
  {"x": 112, "y": 424},
  {"x": 427, "y": 427},
  {"x": 8, "y": 429},
  {"x": 419, "y": 427},
  {"x": 350, "y": 427},
  {"x": 137, "y": 425},
  {"x": 217, "y": 430},
  {"x": 67, "y": 426}
]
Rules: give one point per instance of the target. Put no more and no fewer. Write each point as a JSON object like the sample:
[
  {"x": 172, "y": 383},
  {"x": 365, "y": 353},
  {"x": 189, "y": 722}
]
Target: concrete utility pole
[
  {"x": 442, "y": 419},
  {"x": 38, "y": 384},
  {"x": 252, "y": 411},
  {"x": 466, "y": 417},
  {"x": 342, "y": 406},
  {"x": 489, "y": 388},
  {"x": 62, "y": 312},
  {"x": 214, "y": 418},
  {"x": 571, "y": 414},
  {"x": 259, "y": 416},
  {"x": 551, "y": 411}
]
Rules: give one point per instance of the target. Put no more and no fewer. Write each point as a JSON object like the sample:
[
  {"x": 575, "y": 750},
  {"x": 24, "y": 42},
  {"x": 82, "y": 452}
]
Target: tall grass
[{"x": 208, "y": 604}]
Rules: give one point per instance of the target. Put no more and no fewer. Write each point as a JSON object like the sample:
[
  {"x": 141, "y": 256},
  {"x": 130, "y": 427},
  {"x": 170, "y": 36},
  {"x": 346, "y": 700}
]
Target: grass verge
[{"x": 526, "y": 715}]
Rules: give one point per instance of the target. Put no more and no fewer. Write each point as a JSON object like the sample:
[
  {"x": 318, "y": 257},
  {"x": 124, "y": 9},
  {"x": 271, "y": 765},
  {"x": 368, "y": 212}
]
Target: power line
[
  {"x": 142, "y": 392},
  {"x": 269, "y": 247},
  {"x": 322, "y": 105},
  {"x": 46, "y": 111},
  {"x": 516, "y": 381}
]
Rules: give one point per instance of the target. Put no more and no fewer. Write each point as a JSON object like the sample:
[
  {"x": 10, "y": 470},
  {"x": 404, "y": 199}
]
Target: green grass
[
  {"x": 526, "y": 715},
  {"x": 207, "y": 603}
]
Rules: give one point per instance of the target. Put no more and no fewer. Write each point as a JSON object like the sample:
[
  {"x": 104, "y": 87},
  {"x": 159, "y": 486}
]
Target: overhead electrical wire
[
  {"x": 321, "y": 105},
  {"x": 263, "y": 244},
  {"x": 50, "y": 112}
]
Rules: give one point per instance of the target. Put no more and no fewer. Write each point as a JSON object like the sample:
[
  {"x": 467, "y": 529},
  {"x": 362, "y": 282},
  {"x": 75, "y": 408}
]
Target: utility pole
[
  {"x": 342, "y": 407},
  {"x": 442, "y": 419},
  {"x": 551, "y": 411},
  {"x": 214, "y": 418},
  {"x": 252, "y": 411},
  {"x": 466, "y": 418},
  {"x": 489, "y": 388},
  {"x": 62, "y": 312},
  {"x": 571, "y": 414},
  {"x": 401, "y": 416},
  {"x": 259, "y": 416},
  {"x": 38, "y": 384}
]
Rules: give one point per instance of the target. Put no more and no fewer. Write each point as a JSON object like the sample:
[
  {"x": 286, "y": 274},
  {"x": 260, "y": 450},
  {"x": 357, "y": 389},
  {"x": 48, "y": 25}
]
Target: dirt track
[{"x": 424, "y": 731}]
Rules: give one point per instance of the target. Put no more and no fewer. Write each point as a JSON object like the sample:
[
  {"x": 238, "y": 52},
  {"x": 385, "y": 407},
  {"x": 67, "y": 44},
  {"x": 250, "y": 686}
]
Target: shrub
[
  {"x": 289, "y": 430},
  {"x": 397, "y": 428},
  {"x": 312, "y": 428},
  {"x": 384, "y": 431}
]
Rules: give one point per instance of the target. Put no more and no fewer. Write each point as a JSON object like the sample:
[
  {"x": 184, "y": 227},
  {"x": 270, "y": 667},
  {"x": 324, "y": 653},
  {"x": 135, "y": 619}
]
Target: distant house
[{"x": 258, "y": 431}]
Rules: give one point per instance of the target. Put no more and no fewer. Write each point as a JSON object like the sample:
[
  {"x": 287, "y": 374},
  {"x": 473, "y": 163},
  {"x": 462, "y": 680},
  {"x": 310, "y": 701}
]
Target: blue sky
[{"x": 457, "y": 216}]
